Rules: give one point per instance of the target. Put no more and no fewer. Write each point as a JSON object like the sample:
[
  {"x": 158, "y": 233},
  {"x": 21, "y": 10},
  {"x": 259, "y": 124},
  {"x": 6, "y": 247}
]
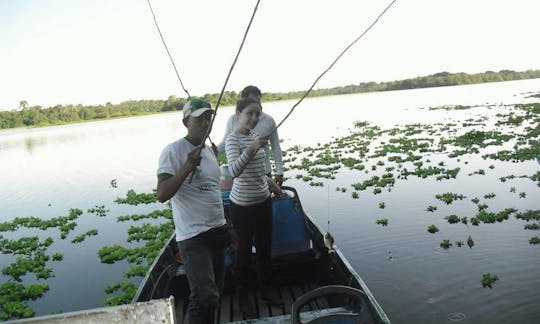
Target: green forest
[{"x": 37, "y": 116}]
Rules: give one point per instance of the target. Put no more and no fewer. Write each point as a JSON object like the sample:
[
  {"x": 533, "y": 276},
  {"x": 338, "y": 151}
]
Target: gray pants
[{"x": 205, "y": 270}]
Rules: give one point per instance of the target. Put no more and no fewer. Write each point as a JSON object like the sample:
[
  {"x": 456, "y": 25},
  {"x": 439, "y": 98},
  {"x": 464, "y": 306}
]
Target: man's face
[{"x": 199, "y": 125}]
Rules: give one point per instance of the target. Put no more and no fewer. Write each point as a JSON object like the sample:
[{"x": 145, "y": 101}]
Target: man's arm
[
  {"x": 276, "y": 150},
  {"x": 168, "y": 184},
  {"x": 229, "y": 128}
]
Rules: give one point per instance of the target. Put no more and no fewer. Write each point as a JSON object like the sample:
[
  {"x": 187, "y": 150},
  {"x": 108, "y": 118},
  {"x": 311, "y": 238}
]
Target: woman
[{"x": 251, "y": 204}]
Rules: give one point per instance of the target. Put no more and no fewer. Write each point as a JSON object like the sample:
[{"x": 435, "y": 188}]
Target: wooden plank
[
  {"x": 297, "y": 291},
  {"x": 225, "y": 308},
  {"x": 180, "y": 312},
  {"x": 305, "y": 288},
  {"x": 263, "y": 308},
  {"x": 288, "y": 299},
  {"x": 235, "y": 309},
  {"x": 276, "y": 310},
  {"x": 320, "y": 303}
]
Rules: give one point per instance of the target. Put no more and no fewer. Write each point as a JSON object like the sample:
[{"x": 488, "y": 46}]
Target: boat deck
[{"x": 229, "y": 310}]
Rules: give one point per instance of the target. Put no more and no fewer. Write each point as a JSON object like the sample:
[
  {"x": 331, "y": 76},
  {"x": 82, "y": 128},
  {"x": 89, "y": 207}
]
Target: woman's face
[{"x": 249, "y": 116}]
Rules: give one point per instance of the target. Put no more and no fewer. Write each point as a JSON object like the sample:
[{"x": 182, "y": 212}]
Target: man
[
  {"x": 265, "y": 125},
  {"x": 197, "y": 208}
]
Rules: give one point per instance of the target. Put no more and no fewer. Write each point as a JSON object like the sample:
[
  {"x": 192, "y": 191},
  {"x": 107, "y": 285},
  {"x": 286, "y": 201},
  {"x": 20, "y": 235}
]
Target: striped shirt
[{"x": 250, "y": 185}]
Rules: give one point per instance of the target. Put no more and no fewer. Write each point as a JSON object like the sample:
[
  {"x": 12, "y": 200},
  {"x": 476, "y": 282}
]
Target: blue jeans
[{"x": 205, "y": 270}]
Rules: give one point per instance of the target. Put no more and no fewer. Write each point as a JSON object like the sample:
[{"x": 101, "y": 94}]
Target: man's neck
[{"x": 195, "y": 141}]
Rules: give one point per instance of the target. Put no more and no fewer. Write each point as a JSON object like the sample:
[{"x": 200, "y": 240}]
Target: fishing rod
[
  {"x": 230, "y": 72},
  {"x": 331, "y": 65},
  {"x": 207, "y": 134}
]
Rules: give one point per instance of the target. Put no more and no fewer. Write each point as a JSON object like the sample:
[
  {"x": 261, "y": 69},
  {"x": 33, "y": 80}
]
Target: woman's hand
[
  {"x": 256, "y": 144},
  {"x": 275, "y": 189}
]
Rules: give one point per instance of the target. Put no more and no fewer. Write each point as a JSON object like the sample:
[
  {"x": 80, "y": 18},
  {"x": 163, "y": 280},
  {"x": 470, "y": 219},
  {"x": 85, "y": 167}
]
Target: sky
[{"x": 97, "y": 51}]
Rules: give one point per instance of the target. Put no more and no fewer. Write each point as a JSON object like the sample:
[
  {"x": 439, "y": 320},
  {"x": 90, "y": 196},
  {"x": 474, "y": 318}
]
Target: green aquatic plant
[
  {"x": 99, "y": 211},
  {"x": 488, "y": 280},
  {"x": 452, "y": 219},
  {"x": 459, "y": 243},
  {"x": 519, "y": 154},
  {"x": 482, "y": 207},
  {"x": 432, "y": 229},
  {"x": 156, "y": 214},
  {"x": 452, "y": 107},
  {"x": 446, "y": 244},
  {"x": 534, "y": 240},
  {"x": 431, "y": 208},
  {"x": 136, "y": 271},
  {"x": 382, "y": 221},
  {"x": 355, "y": 195},
  {"x": 64, "y": 223},
  {"x": 14, "y": 299},
  {"x": 24, "y": 245},
  {"x": 489, "y": 196},
  {"x": 533, "y": 226},
  {"x": 377, "y": 191},
  {"x": 382, "y": 205},
  {"x": 529, "y": 215},
  {"x": 475, "y": 139},
  {"x": 522, "y": 195},
  {"x": 78, "y": 238},
  {"x": 479, "y": 172},
  {"x": 490, "y": 217},
  {"x": 127, "y": 292},
  {"x": 133, "y": 198},
  {"x": 449, "y": 197}
]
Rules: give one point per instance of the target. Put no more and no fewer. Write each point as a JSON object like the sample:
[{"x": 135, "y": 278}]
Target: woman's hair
[{"x": 244, "y": 102}]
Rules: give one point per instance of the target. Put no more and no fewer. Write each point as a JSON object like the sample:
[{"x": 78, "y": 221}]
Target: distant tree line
[{"x": 35, "y": 116}]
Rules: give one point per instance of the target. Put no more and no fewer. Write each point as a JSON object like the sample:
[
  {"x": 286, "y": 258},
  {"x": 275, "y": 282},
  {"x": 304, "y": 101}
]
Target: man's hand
[{"x": 194, "y": 159}]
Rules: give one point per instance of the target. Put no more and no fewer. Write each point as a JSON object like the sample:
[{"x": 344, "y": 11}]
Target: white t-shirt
[{"x": 196, "y": 206}]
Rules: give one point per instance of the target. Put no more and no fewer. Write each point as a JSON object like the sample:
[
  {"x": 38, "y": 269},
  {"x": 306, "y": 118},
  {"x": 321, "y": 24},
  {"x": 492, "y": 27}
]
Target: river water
[{"x": 46, "y": 171}]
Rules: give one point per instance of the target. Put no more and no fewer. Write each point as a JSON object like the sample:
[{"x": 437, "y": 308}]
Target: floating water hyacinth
[{"x": 488, "y": 280}]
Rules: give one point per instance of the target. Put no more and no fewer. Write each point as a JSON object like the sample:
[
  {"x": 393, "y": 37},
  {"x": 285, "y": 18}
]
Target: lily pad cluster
[{"x": 31, "y": 261}]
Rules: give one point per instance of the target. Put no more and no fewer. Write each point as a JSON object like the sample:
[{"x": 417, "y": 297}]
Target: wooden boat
[{"x": 316, "y": 283}]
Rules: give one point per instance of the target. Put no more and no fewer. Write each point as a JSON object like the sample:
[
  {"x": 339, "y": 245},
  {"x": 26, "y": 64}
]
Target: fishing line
[
  {"x": 170, "y": 56},
  {"x": 167, "y": 49},
  {"x": 328, "y": 206},
  {"x": 331, "y": 65}
]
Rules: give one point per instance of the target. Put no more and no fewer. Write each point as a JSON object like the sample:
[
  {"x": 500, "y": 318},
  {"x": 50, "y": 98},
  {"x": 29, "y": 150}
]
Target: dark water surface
[{"x": 45, "y": 172}]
